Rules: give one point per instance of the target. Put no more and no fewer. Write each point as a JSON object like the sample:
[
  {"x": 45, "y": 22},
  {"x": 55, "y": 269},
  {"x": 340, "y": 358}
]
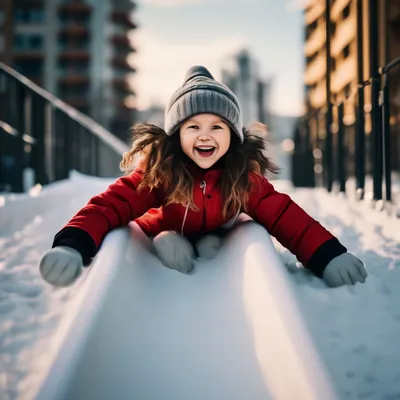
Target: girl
[{"x": 196, "y": 176}]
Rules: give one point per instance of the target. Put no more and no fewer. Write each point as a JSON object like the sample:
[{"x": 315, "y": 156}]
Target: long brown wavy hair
[{"x": 167, "y": 166}]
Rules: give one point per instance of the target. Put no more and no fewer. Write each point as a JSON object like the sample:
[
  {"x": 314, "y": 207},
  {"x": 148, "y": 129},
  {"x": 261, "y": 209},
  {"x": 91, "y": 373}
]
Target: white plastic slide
[{"x": 232, "y": 330}]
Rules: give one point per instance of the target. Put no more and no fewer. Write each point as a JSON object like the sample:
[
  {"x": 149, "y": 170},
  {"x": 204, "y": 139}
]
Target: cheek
[
  {"x": 225, "y": 141},
  {"x": 186, "y": 144}
]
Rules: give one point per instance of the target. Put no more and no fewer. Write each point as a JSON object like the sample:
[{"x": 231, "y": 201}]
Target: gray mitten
[
  {"x": 345, "y": 269},
  {"x": 208, "y": 246},
  {"x": 61, "y": 266},
  {"x": 174, "y": 251}
]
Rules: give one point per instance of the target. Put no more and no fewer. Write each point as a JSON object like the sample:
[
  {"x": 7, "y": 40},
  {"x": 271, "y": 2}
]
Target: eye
[
  {"x": 193, "y": 127},
  {"x": 217, "y": 127}
]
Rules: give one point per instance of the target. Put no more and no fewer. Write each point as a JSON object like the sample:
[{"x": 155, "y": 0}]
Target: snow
[
  {"x": 355, "y": 329},
  {"x": 222, "y": 337}
]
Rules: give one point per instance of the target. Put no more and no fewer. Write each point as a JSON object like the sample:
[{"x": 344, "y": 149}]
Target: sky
[{"x": 173, "y": 35}]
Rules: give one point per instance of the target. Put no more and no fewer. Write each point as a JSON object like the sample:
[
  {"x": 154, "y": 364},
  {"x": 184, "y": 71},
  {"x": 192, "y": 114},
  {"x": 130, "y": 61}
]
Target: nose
[{"x": 204, "y": 137}]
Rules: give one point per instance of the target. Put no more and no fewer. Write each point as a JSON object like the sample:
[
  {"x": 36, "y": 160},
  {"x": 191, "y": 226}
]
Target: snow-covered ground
[{"x": 355, "y": 328}]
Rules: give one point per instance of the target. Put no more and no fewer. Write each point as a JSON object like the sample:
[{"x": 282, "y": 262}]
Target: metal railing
[
  {"x": 353, "y": 152},
  {"x": 41, "y": 132},
  {"x": 384, "y": 102}
]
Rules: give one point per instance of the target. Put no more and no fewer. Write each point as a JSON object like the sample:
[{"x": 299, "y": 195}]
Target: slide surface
[{"x": 232, "y": 330}]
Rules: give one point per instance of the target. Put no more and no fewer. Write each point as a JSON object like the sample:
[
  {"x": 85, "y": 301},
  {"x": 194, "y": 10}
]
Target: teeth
[{"x": 205, "y": 148}]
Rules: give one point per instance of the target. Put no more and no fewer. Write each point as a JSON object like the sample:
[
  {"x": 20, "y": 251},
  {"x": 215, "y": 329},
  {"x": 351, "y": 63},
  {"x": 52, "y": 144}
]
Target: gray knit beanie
[{"x": 201, "y": 93}]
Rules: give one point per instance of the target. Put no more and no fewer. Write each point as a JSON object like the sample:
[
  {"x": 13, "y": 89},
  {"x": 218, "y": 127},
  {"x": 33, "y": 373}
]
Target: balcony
[
  {"x": 29, "y": 55},
  {"x": 122, "y": 17},
  {"x": 337, "y": 8},
  {"x": 346, "y": 72},
  {"x": 74, "y": 29},
  {"x": 122, "y": 41},
  {"x": 122, "y": 63},
  {"x": 124, "y": 5},
  {"x": 316, "y": 41},
  {"x": 315, "y": 12},
  {"x": 122, "y": 85},
  {"x": 318, "y": 95},
  {"x": 315, "y": 70},
  {"x": 74, "y": 80},
  {"x": 74, "y": 55},
  {"x": 74, "y": 8},
  {"x": 345, "y": 33}
]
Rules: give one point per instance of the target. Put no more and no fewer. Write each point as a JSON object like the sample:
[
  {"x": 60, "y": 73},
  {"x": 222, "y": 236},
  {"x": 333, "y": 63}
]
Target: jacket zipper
[{"x": 203, "y": 186}]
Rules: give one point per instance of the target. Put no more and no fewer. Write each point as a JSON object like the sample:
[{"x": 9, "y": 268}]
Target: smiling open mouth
[{"x": 205, "y": 151}]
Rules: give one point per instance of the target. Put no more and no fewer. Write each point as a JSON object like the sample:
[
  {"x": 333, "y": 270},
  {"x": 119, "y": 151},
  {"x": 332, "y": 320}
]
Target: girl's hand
[
  {"x": 174, "y": 251},
  {"x": 61, "y": 266},
  {"x": 345, "y": 269},
  {"x": 208, "y": 246}
]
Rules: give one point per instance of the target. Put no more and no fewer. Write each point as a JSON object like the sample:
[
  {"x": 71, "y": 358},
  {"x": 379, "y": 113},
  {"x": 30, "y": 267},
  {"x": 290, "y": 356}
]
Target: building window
[
  {"x": 346, "y": 11},
  {"x": 25, "y": 41},
  {"x": 36, "y": 42},
  {"x": 346, "y": 51},
  {"x": 29, "y": 16}
]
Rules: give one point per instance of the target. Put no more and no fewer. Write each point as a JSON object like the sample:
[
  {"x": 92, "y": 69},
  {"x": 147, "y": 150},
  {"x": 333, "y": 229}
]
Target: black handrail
[
  {"x": 381, "y": 168},
  {"x": 389, "y": 66},
  {"x": 40, "y": 131}
]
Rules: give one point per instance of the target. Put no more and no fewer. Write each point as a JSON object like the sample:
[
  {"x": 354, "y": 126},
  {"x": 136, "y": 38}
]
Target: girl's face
[{"x": 205, "y": 138}]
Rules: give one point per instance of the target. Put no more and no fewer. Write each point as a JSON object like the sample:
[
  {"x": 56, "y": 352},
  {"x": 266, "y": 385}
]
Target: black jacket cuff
[
  {"x": 79, "y": 240},
  {"x": 324, "y": 255}
]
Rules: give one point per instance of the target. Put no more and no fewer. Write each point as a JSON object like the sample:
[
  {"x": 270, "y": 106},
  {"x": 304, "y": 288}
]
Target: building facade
[
  {"x": 344, "y": 64},
  {"x": 241, "y": 75},
  {"x": 77, "y": 50}
]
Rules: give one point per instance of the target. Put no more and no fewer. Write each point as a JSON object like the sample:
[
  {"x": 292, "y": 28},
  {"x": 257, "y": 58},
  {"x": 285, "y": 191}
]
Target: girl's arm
[
  {"x": 303, "y": 236},
  {"x": 115, "y": 207}
]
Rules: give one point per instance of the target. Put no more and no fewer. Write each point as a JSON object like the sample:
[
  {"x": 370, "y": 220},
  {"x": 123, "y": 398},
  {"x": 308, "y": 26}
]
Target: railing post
[
  {"x": 329, "y": 119},
  {"x": 375, "y": 111},
  {"x": 359, "y": 165},
  {"x": 3, "y": 84},
  {"x": 38, "y": 127},
  {"x": 28, "y": 147},
  {"x": 84, "y": 151},
  {"x": 341, "y": 158},
  {"x": 67, "y": 146},
  {"x": 95, "y": 155},
  {"x": 17, "y": 110},
  {"x": 49, "y": 141},
  {"x": 385, "y": 107}
]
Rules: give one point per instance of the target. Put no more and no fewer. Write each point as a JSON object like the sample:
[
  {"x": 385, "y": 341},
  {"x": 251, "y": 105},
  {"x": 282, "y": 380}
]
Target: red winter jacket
[{"x": 120, "y": 204}]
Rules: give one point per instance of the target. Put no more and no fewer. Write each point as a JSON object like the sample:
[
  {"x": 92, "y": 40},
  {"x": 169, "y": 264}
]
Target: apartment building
[
  {"x": 344, "y": 64},
  {"x": 241, "y": 74},
  {"x": 6, "y": 30},
  {"x": 76, "y": 49}
]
